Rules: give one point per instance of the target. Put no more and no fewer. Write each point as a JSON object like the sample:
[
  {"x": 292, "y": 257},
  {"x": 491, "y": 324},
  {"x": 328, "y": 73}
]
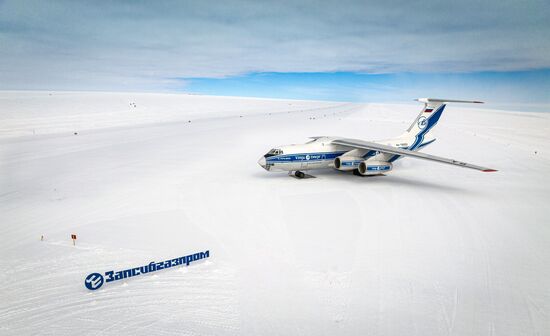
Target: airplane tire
[
  {"x": 299, "y": 174},
  {"x": 356, "y": 172}
]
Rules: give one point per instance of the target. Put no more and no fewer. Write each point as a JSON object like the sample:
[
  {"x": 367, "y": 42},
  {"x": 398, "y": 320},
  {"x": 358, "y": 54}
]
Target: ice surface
[{"x": 428, "y": 249}]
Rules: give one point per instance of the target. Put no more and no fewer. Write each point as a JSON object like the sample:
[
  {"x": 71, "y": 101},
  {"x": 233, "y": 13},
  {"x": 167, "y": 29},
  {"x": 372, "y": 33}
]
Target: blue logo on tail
[{"x": 422, "y": 122}]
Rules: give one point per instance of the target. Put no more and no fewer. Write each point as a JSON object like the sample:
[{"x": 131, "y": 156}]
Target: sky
[{"x": 328, "y": 50}]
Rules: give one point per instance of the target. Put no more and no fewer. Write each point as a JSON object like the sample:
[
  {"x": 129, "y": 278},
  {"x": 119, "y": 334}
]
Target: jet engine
[
  {"x": 369, "y": 167},
  {"x": 347, "y": 162}
]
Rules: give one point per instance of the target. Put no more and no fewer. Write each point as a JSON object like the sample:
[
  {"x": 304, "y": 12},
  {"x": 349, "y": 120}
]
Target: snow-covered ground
[{"x": 428, "y": 249}]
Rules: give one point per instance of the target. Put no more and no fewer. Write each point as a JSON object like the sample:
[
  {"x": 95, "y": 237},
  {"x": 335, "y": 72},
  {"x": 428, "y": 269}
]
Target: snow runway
[{"x": 428, "y": 249}]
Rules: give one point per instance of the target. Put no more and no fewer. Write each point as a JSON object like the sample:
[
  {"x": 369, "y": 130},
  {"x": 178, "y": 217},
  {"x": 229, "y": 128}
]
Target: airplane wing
[{"x": 354, "y": 143}]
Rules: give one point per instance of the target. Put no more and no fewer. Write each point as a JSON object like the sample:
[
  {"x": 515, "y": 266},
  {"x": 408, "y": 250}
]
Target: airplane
[{"x": 365, "y": 158}]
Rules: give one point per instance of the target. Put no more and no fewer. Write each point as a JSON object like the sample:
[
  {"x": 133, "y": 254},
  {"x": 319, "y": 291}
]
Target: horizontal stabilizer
[{"x": 439, "y": 100}]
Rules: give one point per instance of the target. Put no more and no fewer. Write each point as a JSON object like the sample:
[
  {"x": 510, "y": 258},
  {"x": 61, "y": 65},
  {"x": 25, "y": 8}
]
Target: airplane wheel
[
  {"x": 299, "y": 174},
  {"x": 356, "y": 172}
]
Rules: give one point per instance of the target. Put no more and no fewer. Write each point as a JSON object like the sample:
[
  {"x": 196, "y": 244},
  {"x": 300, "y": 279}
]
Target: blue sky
[
  {"x": 331, "y": 50},
  {"x": 523, "y": 88}
]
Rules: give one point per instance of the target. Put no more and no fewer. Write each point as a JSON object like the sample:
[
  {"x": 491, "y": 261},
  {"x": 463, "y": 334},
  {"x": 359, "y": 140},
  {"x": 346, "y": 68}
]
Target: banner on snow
[{"x": 95, "y": 280}]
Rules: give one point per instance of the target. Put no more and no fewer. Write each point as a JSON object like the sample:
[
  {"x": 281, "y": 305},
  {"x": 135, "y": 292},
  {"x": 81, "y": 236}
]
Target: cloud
[{"x": 148, "y": 45}]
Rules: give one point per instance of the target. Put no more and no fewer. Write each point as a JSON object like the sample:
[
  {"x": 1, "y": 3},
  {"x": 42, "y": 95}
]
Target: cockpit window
[{"x": 273, "y": 152}]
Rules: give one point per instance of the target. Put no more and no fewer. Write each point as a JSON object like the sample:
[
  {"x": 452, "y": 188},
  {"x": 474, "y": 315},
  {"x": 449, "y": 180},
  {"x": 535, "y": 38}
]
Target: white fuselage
[{"x": 320, "y": 154}]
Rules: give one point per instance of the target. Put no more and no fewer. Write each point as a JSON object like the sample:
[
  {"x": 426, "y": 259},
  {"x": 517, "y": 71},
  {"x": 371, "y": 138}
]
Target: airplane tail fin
[{"x": 427, "y": 119}]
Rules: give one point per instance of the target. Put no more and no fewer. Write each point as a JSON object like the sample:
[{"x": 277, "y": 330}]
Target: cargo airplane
[{"x": 365, "y": 158}]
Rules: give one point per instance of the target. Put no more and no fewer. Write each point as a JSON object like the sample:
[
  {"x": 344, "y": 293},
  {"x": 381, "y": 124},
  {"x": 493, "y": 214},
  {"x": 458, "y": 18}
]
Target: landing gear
[{"x": 300, "y": 175}]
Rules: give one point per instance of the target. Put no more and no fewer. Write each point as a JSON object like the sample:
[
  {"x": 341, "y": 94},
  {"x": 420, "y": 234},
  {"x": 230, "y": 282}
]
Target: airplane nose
[{"x": 262, "y": 163}]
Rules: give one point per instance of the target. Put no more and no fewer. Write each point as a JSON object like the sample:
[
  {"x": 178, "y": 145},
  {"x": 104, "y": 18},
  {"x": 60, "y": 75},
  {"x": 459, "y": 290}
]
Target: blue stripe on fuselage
[{"x": 300, "y": 157}]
